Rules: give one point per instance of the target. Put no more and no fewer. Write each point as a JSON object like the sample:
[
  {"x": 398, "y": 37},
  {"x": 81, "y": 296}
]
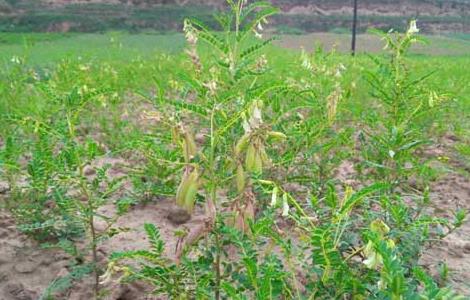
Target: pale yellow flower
[{"x": 413, "y": 27}]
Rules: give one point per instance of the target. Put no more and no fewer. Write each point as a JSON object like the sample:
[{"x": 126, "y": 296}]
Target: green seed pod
[
  {"x": 277, "y": 135},
  {"x": 190, "y": 198},
  {"x": 240, "y": 178},
  {"x": 182, "y": 189},
  {"x": 258, "y": 164},
  {"x": 250, "y": 158},
  {"x": 285, "y": 205},
  {"x": 189, "y": 147},
  {"x": 242, "y": 144},
  {"x": 264, "y": 156},
  {"x": 175, "y": 135},
  {"x": 189, "y": 182},
  {"x": 191, "y": 191}
]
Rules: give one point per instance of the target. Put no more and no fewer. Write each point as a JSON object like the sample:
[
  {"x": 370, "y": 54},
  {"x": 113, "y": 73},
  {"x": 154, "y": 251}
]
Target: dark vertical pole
[{"x": 354, "y": 27}]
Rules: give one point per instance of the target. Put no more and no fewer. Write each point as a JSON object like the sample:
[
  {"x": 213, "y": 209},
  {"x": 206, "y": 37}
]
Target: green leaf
[
  {"x": 357, "y": 197},
  {"x": 154, "y": 236},
  {"x": 255, "y": 48}
]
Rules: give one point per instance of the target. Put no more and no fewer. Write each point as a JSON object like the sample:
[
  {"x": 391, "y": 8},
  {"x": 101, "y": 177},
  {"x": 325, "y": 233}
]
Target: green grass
[
  {"x": 45, "y": 48},
  {"x": 445, "y": 55}
]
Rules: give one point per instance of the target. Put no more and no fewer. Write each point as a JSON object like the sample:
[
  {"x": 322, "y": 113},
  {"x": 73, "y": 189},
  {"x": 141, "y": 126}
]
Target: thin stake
[{"x": 354, "y": 27}]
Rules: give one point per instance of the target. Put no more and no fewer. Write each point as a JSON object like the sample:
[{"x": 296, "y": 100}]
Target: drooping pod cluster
[
  {"x": 243, "y": 209},
  {"x": 252, "y": 143},
  {"x": 256, "y": 156},
  {"x": 251, "y": 156},
  {"x": 187, "y": 190},
  {"x": 189, "y": 185}
]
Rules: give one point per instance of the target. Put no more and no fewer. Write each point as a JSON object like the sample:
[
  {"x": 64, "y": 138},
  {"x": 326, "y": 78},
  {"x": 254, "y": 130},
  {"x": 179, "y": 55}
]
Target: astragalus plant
[
  {"x": 237, "y": 145},
  {"x": 214, "y": 116},
  {"x": 57, "y": 200}
]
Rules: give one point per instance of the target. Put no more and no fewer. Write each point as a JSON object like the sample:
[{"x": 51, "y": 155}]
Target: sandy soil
[
  {"x": 450, "y": 193},
  {"x": 25, "y": 269}
]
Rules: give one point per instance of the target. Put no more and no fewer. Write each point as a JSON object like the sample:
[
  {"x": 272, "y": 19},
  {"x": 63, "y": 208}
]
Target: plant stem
[
  {"x": 210, "y": 205},
  {"x": 217, "y": 267},
  {"x": 93, "y": 249},
  {"x": 90, "y": 207}
]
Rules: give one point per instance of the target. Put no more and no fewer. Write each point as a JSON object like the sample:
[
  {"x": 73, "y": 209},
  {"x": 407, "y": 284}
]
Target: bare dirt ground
[
  {"x": 26, "y": 269},
  {"x": 450, "y": 193}
]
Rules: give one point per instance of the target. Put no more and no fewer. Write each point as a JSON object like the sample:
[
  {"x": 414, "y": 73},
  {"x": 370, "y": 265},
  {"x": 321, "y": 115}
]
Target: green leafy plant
[
  {"x": 61, "y": 202},
  {"x": 398, "y": 134}
]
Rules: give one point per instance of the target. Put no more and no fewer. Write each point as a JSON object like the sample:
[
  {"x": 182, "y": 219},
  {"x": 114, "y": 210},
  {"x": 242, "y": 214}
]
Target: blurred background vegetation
[{"x": 297, "y": 17}]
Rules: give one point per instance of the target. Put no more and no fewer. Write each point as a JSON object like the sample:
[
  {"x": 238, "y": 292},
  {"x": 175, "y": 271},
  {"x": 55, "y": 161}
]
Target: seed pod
[
  {"x": 189, "y": 147},
  {"x": 244, "y": 211},
  {"x": 175, "y": 135},
  {"x": 238, "y": 221},
  {"x": 250, "y": 158},
  {"x": 241, "y": 144},
  {"x": 258, "y": 164},
  {"x": 187, "y": 190},
  {"x": 191, "y": 191},
  {"x": 277, "y": 135},
  {"x": 262, "y": 181},
  {"x": 240, "y": 178},
  {"x": 190, "y": 198},
  {"x": 248, "y": 214},
  {"x": 181, "y": 192},
  {"x": 264, "y": 156}
]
